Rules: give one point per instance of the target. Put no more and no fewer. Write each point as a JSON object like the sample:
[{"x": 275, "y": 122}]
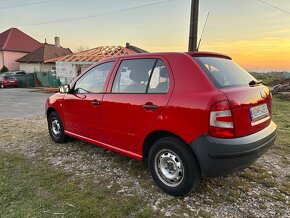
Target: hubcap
[
  {"x": 55, "y": 128},
  {"x": 169, "y": 168}
]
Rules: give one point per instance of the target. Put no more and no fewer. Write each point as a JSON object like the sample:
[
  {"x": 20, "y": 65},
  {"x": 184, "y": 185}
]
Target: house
[
  {"x": 70, "y": 66},
  {"x": 38, "y": 60},
  {"x": 14, "y": 44}
]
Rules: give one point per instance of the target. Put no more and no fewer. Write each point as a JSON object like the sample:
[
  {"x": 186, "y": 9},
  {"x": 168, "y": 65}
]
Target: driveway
[{"x": 21, "y": 102}]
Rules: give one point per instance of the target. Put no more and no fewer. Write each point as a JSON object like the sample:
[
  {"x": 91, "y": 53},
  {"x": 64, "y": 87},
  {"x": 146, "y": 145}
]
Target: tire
[
  {"x": 56, "y": 129},
  {"x": 173, "y": 166},
  {"x": 2, "y": 86}
]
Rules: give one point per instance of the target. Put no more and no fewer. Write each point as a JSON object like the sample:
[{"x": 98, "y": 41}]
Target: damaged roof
[{"x": 96, "y": 54}]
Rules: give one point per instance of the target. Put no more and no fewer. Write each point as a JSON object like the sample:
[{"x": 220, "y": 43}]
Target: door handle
[
  {"x": 95, "y": 103},
  {"x": 150, "y": 107}
]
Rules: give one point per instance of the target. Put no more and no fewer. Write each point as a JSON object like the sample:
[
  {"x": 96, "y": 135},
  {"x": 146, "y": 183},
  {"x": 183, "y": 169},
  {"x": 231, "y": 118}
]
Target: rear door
[
  {"x": 139, "y": 92},
  {"x": 82, "y": 108},
  {"x": 250, "y": 101}
]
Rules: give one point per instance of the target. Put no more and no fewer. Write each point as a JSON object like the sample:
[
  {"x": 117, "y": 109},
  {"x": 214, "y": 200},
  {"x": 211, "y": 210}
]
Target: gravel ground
[{"x": 260, "y": 191}]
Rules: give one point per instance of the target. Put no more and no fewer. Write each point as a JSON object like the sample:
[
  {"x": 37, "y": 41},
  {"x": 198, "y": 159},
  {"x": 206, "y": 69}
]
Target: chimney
[
  {"x": 56, "y": 41},
  {"x": 127, "y": 44}
]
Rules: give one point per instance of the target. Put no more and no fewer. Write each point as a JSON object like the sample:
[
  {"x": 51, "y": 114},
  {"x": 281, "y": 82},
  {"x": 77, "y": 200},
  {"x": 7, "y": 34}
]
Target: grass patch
[
  {"x": 38, "y": 190},
  {"x": 280, "y": 117}
]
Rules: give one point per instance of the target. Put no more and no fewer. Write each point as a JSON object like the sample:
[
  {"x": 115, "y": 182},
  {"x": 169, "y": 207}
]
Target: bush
[{"x": 4, "y": 69}]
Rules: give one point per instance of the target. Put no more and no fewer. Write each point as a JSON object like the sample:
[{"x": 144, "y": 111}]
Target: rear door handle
[
  {"x": 151, "y": 107},
  {"x": 95, "y": 103}
]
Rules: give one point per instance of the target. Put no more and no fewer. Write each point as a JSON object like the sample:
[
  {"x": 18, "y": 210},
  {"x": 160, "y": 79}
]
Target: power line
[
  {"x": 93, "y": 15},
  {"x": 274, "y": 6},
  {"x": 24, "y": 4}
]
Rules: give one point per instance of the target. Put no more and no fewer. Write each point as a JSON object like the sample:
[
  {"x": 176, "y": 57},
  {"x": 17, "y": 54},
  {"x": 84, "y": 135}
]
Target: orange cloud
[{"x": 264, "y": 54}]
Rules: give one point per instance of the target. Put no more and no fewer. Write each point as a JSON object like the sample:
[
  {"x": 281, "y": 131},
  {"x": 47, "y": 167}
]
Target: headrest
[
  {"x": 139, "y": 76},
  {"x": 164, "y": 73}
]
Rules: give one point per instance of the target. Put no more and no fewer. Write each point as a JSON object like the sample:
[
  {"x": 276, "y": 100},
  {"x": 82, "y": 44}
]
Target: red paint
[
  {"x": 8, "y": 81},
  {"x": 122, "y": 124}
]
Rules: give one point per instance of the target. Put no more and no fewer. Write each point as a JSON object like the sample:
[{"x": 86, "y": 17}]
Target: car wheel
[
  {"x": 173, "y": 166},
  {"x": 56, "y": 129},
  {"x": 2, "y": 86}
]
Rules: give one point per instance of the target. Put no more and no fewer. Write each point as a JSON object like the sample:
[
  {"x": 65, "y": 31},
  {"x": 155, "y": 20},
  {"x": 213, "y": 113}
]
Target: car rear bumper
[{"x": 219, "y": 157}]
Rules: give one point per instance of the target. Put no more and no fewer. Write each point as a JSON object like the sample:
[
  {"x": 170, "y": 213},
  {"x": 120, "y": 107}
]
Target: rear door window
[
  {"x": 133, "y": 76},
  {"x": 224, "y": 72},
  {"x": 141, "y": 76},
  {"x": 159, "y": 82}
]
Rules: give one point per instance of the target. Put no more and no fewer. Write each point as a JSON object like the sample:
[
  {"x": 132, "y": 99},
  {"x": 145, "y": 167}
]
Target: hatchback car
[
  {"x": 187, "y": 115},
  {"x": 8, "y": 81}
]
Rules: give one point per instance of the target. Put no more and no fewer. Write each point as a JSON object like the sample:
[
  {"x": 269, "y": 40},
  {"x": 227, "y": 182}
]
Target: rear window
[
  {"x": 9, "y": 77},
  {"x": 224, "y": 72}
]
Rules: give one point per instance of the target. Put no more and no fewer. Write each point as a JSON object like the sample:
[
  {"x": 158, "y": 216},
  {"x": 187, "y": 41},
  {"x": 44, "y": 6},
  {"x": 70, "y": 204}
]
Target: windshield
[{"x": 224, "y": 72}]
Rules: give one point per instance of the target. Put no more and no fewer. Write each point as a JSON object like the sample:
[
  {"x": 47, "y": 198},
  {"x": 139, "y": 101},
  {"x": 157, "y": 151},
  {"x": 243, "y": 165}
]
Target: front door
[
  {"x": 82, "y": 108},
  {"x": 140, "y": 91}
]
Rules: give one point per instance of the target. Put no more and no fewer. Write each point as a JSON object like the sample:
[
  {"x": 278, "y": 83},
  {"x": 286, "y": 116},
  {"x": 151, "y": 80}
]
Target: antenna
[{"x": 202, "y": 31}]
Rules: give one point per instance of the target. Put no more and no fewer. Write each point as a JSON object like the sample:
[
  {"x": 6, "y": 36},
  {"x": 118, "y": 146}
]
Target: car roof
[{"x": 192, "y": 54}]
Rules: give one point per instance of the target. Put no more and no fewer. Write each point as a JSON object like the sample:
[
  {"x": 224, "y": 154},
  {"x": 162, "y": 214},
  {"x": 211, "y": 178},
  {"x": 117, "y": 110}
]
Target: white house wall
[
  {"x": 36, "y": 67},
  {"x": 66, "y": 72}
]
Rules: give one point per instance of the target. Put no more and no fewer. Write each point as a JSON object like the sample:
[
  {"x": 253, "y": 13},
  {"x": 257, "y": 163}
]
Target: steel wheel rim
[
  {"x": 169, "y": 168},
  {"x": 55, "y": 128}
]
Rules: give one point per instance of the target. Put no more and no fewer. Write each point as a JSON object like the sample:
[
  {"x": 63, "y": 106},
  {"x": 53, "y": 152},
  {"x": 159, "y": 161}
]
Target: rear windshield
[
  {"x": 9, "y": 77},
  {"x": 224, "y": 72}
]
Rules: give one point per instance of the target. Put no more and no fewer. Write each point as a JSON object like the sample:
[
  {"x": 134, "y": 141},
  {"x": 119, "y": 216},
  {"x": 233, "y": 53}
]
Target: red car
[
  {"x": 8, "y": 81},
  {"x": 187, "y": 115}
]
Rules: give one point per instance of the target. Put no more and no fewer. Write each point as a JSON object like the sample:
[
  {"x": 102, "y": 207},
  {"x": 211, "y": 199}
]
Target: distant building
[
  {"x": 14, "y": 44},
  {"x": 38, "y": 60},
  {"x": 70, "y": 66}
]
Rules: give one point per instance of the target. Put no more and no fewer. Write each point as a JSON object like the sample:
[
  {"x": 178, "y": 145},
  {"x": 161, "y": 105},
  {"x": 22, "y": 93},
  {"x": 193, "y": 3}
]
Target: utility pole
[{"x": 192, "y": 46}]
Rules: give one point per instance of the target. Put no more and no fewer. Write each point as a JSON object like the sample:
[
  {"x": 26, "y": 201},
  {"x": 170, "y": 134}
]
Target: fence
[{"x": 39, "y": 79}]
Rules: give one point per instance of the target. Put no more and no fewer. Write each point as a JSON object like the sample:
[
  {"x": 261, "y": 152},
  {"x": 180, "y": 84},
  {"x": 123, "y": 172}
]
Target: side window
[
  {"x": 93, "y": 81},
  {"x": 133, "y": 76},
  {"x": 159, "y": 82}
]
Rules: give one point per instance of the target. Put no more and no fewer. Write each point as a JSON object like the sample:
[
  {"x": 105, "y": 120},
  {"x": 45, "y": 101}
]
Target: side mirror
[{"x": 64, "y": 89}]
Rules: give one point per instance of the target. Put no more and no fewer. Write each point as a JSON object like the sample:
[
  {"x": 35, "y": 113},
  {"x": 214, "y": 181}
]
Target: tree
[
  {"x": 4, "y": 69},
  {"x": 82, "y": 48}
]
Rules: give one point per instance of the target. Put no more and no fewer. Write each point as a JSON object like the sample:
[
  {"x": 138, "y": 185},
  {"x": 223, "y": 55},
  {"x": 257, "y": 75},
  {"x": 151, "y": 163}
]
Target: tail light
[{"x": 221, "y": 123}]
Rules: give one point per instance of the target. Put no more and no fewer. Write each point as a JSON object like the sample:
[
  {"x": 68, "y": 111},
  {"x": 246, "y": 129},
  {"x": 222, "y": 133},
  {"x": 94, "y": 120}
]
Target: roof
[
  {"x": 95, "y": 54},
  {"x": 45, "y": 53},
  {"x": 136, "y": 49},
  {"x": 16, "y": 40}
]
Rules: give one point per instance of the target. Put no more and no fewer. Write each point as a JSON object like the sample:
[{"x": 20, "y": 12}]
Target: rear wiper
[{"x": 255, "y": 82}]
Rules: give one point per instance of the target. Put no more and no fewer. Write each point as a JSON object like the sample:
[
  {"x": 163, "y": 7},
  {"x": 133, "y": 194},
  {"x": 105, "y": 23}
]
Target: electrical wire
[
  {"x": 23, "y": 4},
  {"x": 274, "y": 6},
  {"x": 93, "y": 15}
]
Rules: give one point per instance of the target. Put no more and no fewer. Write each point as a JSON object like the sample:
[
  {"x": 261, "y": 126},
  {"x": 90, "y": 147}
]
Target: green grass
[
  {"x": 33, "y": 189},
  {"x": 282, "y": 119},
  {"x": 31, "y": 186}
]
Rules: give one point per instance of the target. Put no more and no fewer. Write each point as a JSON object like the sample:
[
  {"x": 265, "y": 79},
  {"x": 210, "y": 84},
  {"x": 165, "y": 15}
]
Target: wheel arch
[
  {"x": 153, "y": 137},
  {"x": 50, "y": 110}
]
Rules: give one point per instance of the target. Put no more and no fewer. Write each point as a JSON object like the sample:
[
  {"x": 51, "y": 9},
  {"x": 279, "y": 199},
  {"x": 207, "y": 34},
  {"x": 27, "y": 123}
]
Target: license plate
[{"x": 259, "y": 112}]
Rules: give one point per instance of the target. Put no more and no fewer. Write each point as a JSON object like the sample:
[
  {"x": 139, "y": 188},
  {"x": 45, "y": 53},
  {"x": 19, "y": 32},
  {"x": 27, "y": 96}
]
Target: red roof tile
[{"x": 16, "y": 40}]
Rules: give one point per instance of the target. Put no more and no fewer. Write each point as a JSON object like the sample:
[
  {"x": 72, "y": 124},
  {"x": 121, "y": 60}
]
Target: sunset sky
[{"x": 255, "y": 34}]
